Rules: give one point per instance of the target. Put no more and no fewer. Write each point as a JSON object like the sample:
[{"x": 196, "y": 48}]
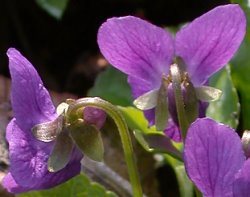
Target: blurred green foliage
[
  {"x": 79, "y": 186},
  {"x": 227, "y": 108},
  {"x": 112, "y": 86},
  {"x": 241, "y": 71},
  {"x": 54, "y": 8}
]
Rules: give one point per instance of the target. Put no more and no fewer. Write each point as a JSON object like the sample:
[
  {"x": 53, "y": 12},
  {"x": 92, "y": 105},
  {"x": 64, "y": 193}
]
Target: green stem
[
  {"x": 181, "y": 114},
  {"x": 197, "y": 192},
  {"x": 112, "y": 111}
]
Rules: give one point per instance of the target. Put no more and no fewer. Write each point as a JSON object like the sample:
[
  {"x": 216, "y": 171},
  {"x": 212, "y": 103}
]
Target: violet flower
[
  {"x": 215, "y": 160},
  {"x": 145, "y": 52},
  {"x": 32, "y": 105}
]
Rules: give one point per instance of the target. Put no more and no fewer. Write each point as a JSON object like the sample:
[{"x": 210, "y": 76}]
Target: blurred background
[{"x": 59, "y": 36}]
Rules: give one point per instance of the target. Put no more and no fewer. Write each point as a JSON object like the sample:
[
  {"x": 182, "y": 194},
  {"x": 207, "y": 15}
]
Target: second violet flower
[{"x": 146, "y": 52}]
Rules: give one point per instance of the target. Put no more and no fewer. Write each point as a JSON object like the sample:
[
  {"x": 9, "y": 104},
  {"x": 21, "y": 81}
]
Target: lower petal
[
  {"x": 213, "y": 154},
  {"x": 242, "y": 182}
]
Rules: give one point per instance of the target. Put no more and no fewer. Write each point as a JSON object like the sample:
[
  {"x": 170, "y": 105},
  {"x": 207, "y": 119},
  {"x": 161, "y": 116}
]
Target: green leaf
[
  {"x": 226, "y": 109},
  {"x": 79, "y": 186},
  {"x": 185, "y": 185},
  {"x": 241, "y": 69},
  {"x": 88, "y": 138},
  {"x": 61, "y": 152},
  {"x": 53, "y": 7},
  {"x": 112, "y": 86}
]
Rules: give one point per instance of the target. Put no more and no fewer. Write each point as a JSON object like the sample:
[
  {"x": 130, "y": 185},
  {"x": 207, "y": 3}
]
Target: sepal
[
  {"x": 61, "y": 153},
  {"x": 88, "y": 139},
  {"x": 48, "y": 131}
]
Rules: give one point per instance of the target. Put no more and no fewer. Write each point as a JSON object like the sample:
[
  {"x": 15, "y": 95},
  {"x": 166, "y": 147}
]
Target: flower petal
[
  {"x": 210, "y": 41},
  {"x": 173, "y": 131},
  {"x": 242, "y": 182},
  {"x": 28, "y": 158},
  {"x": 10, "y": 184},
  {"x": 31, "y": 102},
  {"x": 212, "y": 154},
  {"x": 137, "y": 48}
]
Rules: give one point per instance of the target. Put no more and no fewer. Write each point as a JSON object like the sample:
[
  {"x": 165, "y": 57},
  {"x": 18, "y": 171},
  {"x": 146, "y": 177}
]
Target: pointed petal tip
[{"x": 12, "y": 52}]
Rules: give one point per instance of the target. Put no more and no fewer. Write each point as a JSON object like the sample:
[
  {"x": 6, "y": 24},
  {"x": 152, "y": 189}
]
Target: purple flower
[
  {"x": 32, "y": 105},
  {"x": 215, "y": 161},
  {"x": 145, "y": 52}
]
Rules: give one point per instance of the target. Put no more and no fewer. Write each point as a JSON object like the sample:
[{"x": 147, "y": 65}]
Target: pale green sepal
[
  {"x": 147, "y": 100},
  {"x": 48, "y": 131},
  {"x": 191, "y": 102},
  {"x": 88, "y": 138},
  {"x": 207, "y": 93},
  {"x": 61, "y": 152},
  {"x": 161, "y": 110},
  {"x": 62, "y": 108}
]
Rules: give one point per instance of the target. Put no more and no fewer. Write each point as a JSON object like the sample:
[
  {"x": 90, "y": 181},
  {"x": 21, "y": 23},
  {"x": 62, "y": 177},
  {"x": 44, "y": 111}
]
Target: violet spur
[{"x": 146, "y": 52}]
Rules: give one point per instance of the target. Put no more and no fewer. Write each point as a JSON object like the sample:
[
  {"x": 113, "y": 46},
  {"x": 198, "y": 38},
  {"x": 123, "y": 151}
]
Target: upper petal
[
  {"x": 210, "y": 41},
  {"x": 28, "y": 158},
  {"x": 241, "y": 186},
  {"x": 136, "y": 47},
  {"x": 30, "y": 100},
  {"x": 213, "y": 154}
]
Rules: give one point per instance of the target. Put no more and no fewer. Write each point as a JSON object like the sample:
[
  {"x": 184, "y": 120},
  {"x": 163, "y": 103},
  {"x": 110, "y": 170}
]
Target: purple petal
[
  {"x": 139, "y": 86},
  {"x": 137, "y": 48},
  {"x": 28, "y": 158},
  {"x": 173, "y": 131},
  {"x": 10, "y": 184},
  {"x": 212, "y": 154},
  {"x": 31, "y": 102},
  {"x": 94, "y": 116},
  {"x": 241, "y": 185},
  {"x": 210, "y": 41}
]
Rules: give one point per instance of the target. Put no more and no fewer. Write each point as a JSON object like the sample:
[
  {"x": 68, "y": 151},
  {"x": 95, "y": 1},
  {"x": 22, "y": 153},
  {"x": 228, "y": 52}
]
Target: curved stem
[{"x": 112, "y": 111}]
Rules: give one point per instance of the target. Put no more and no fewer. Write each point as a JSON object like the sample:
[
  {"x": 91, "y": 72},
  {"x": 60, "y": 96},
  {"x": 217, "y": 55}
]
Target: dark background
[{"x": 57, "y": 47}]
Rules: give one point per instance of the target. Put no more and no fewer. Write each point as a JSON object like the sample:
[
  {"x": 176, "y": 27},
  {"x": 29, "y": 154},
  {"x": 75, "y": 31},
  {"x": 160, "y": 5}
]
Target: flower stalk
[{"x": 113, "y": 112}]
